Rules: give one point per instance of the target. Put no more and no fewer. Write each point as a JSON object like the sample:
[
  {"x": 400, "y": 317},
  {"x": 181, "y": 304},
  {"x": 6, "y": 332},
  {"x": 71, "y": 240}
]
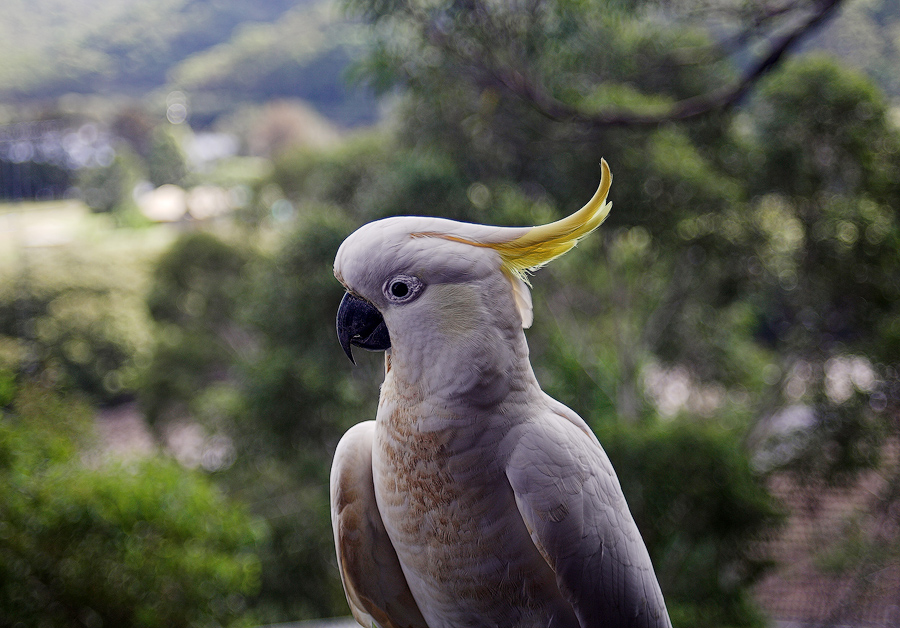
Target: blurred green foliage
[
  {"x": 166, "y": 163},
  {"x": 144, "y": 543},
  {"x": 862, "y": 38},
  {"x": 748, "y": 269},
  {"x": 109, "y": 189},
  {"x": 78, "y": 318},
  {"x": 697, "y": 501},
  {"x": 230, "y": 52},
  {"x": 195, "y": 291},
  {"x": 155, "y": 157},
  {"x": 241, "y": 351},
  {"x": 842, "y": 144}
]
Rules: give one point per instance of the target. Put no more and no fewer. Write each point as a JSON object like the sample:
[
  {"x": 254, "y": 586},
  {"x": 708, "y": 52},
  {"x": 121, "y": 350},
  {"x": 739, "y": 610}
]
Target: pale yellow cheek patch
[{"x": 459, "y": 308}]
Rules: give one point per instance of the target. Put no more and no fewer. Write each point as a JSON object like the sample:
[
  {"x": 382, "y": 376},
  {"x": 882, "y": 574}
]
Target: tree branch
[{"x": 718, "y": 100}]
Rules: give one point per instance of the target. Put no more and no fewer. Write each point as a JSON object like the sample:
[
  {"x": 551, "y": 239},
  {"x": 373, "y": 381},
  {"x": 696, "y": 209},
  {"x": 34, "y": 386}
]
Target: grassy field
[{"x": 29, "y": 231}]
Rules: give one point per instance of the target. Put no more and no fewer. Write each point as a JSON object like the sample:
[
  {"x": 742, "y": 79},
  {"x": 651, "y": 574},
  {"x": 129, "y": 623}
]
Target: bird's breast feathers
[{"x": 442, "y": 492}]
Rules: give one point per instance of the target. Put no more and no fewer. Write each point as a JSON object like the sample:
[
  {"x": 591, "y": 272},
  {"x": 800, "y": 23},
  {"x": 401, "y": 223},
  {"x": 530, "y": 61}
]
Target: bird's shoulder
[{"x": 555, "y": 454}]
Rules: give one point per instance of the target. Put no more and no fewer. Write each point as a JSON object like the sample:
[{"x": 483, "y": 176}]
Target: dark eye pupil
[{"x": 399, "y": 289}]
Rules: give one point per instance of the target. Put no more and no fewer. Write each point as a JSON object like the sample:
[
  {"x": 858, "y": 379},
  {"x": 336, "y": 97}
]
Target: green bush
[
  {"x": 166, "y": 162},
  {"x": 700, "y": 508},
  {"x": 822, "y": 127},
  {"x": 194, "y": 298},
  {"x": 78, "y": 317},
  {"x": 109, "y": 188},
  {"x": 300, "y": 393},
  {"x": 240, "y": 349},
  {"x": 143, "y": 544}
]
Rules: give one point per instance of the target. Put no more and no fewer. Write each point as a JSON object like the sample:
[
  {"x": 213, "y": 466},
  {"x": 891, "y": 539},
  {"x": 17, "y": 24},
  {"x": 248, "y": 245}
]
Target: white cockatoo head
[{"x": 428, "y": 287}]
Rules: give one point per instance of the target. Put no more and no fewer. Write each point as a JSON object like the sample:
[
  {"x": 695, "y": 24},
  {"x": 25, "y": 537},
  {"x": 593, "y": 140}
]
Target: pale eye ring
[{"x": 402, "y": 288}]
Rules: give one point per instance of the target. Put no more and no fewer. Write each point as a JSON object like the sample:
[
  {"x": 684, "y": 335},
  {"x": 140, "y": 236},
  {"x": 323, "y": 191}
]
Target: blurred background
[{"x": 176, "y": 176}]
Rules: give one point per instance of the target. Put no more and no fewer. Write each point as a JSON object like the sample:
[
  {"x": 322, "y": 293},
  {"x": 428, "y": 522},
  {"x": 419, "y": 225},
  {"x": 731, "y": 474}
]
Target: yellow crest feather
[{"x": 544, "y": 243}]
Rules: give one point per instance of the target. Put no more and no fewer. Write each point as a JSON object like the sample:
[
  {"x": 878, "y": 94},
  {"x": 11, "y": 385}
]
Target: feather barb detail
[{"x": 543, "y": 243}]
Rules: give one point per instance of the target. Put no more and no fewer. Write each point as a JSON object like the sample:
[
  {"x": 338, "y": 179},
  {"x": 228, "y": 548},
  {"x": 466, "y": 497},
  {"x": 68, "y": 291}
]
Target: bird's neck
[{"x": 464, "y": 374}]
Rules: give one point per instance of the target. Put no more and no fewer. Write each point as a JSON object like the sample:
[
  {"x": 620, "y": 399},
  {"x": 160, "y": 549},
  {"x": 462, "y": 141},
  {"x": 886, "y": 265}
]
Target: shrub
[
  {"x": 144, "y": 544},
  {"x": 700, "y": 508}
]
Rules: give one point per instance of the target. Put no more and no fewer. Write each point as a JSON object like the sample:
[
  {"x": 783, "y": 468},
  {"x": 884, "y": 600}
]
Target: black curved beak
[{"x": 360, "y": 324}]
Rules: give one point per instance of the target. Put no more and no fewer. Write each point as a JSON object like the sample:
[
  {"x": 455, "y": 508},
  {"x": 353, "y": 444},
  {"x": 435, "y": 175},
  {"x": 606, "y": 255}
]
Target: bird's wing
[
  {"x": 572, "y": 504},
  {"x": 370, "y": 571}
]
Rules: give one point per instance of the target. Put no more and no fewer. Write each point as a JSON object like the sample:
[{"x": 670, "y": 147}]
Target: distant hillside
[
  {"x": 305, "y": 54},
  {"x": 237, "y": 49},
  {"x": 93, "y": 45},
  {"x": 225, "y": 53}
]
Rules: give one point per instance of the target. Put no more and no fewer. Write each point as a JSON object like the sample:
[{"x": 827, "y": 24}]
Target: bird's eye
[
  {"x": 402, "y": 288},
  {"x": 399, "y": 289}
]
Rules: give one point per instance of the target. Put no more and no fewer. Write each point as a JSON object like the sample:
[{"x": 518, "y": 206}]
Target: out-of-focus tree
[
  {"x": 78, "y": 318},
  {"x": 109, "y": 188},
  {"x": 539, "y": 89},
  {"x": 697, "y": 501},
  {"x": 194, "y": 298},
  {"x": 166, "y": 162},
  {"x": 843, "y": 143},
  {"x": 830, "y": 283},
  {"x": 372, "y": 176},
  {"x": 864, "y": 37},
  {"x": 537, "y": 98},
  {"x": 299, "y": 398},
  {"x": 242, "y": 353},
  {"x": 142, "y": 545},
  {"x": 134, "y": 125}
]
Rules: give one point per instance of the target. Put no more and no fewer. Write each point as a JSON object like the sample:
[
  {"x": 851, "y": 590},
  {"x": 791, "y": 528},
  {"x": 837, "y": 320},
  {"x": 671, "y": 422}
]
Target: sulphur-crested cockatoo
[{"x": 474, "y": 498}]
